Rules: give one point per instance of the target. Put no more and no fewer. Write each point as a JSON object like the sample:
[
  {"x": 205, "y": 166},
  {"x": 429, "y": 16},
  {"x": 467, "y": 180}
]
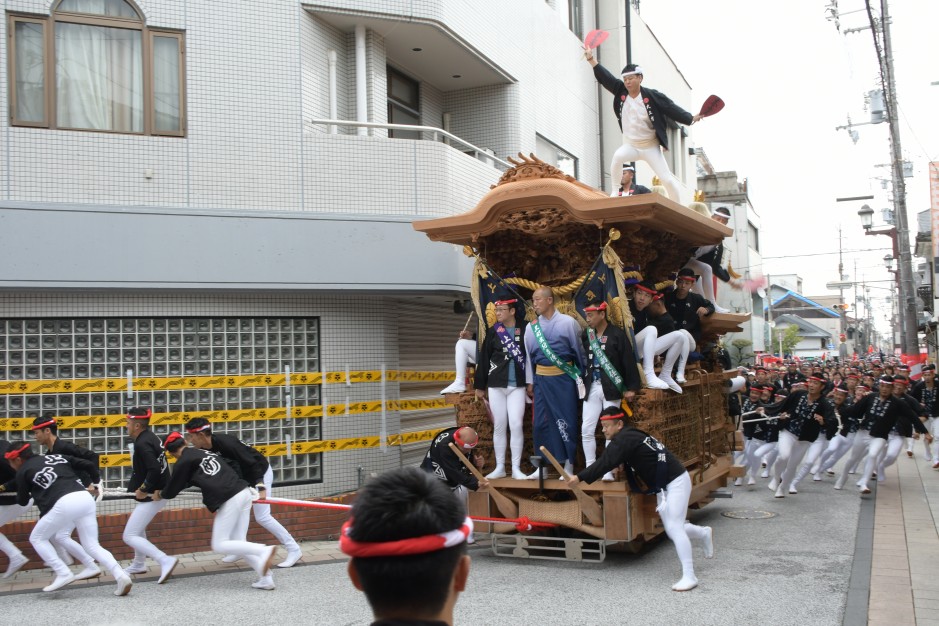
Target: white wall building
[{"x": 176, "y": 202}]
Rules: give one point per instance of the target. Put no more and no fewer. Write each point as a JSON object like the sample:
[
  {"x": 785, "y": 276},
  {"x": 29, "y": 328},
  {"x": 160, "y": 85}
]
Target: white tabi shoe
[
  {"x": 292, "y": 557},
  {"x": 264, "y": 582},
  {"x": 764, "y": 474},
  {"x": 653, "y": 382},
  {"x": 708, "y": 542},
  {"x": 231, "y": 558},
  {"x": 780, "y": 492},
  {"x": 608, "y": 478},
  {"x": 499, "y": 472},
  {"x": 16, "y": 563},
  {"x": 533, "y": 476},
  {"x": 59, "y": 582},
  {"x": 167, "y": 565},
  {"x": 685, "y": 584},
  {"x": 719, "y": 309},
  {"x": 773, "y": 485},
  {"x": 792, "y": 490},
  {"x": 518, "y": 474},
  {"x": 124, "y": 583},
  {"x": 670, "y": 383},
  {"x": 135, "y": 568},
  {"x": 738, "y": 482},
  {"x": 91, "y": 571},
  {"x": 457, "y": 386}
]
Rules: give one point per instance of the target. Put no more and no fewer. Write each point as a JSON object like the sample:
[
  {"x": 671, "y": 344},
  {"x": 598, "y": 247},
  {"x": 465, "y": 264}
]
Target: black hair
[
  {"x": 53, "y": 427},
  {"x": 199, "y": 422},
  {"x": 614, "y": 410},
  {"x": 25, "y": 454},
  {"x": 139, "y": 410},
  {"x": 401, "y": 504},
  {"x": 630, "y": 67},
  {"x": 174, "y": 445}
]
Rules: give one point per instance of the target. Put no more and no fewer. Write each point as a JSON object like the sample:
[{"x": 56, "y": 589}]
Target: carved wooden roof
[{"x": 546, "y": 226}]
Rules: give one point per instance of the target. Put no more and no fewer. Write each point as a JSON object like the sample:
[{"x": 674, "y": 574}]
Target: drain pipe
[
  {"x": 333, "y": 105},
  {"x": 361, "y": 103}
]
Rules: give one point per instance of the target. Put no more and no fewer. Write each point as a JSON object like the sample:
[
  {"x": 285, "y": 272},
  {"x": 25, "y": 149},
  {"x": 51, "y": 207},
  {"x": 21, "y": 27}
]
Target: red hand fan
[
  {"x": 711, "y": 106},
  {"x": 594, "y": 38}
]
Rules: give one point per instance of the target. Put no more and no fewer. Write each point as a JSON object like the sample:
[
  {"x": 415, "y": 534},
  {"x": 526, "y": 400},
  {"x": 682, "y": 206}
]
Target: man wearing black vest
[
  {"x": 611, "y": 376},
  {"x": 664, "y": 475}
]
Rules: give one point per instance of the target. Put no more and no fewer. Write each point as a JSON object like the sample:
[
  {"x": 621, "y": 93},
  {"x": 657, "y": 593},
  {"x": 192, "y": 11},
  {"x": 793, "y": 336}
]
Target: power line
[{"x": 793, "y": 256}]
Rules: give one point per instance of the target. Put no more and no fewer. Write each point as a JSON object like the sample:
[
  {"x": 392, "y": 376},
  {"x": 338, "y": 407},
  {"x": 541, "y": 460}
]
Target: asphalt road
[{"x": 793, "y": 568}]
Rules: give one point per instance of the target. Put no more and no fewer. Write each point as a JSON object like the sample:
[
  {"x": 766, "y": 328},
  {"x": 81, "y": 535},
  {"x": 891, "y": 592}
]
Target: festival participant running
[
  {"x": 924, "y": 392},
  {"x": 552, "y": 343},
  {"x": 254, "y": 468},
  {"x": 663, "y": 474},
  {"x": 9, "y": 511},
  {"x": 150, "y": 473},
  {"x": 643, "y": 115},
  {"x": 52, "y": 481},
  {"x": 501, "y": 379},
  {"x": 903, "y": 429},
  {"x": 406, "y": 538},
  {"x": 612, "y": 374},
  {"x": 880, "y": 412},
  {"x": 750, "y": 405},
  {"x": 804, "y": 414},
  {"x": 46, "y": 433},
  {"x": 224, "y": 494}
]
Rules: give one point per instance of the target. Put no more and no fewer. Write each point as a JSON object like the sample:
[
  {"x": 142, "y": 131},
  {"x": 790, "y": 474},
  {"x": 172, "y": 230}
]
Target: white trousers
[
  {"x": 465, "y": 353},
  {"x": 230, "y": 530},
  {"x": 791, "y": 451},
  {"x": 76, "y": 508},
  {"x": 889, "y": 454},
  {"x": 935, "y": 434},
  {"x": 135, "y": 531},
  {"x": 654, "y": 157},
  {"x": 8, "y": 513},
  {"x": 837, "y": 448},
  {"x": 674, "y": 516},
  {"x": 759, "y": 449},
  {"x": 858, "y": 450},
  {"x": 705, "y": 283},
  {"x": 816, "y": 448},
  {"x": 875, "y": 447},
  {"x": 262, "y": 515},
  {"x": 508, "y": 411},
  {"x": 929, "y": 424},
  {"x": 594, "y": 403},
  {"x": 674, "y": 345}
]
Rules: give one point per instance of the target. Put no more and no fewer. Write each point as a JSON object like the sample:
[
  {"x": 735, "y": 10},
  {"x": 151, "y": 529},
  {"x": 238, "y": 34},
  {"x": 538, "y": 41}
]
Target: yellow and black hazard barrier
[
  {"x": 306, "y": 447},
  {"x": 174, "y": 383},
  {"x": 233, "y": 415}
]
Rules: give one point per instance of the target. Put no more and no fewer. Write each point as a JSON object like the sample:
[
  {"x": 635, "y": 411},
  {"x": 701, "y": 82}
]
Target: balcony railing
[{"x": 436, "y": 135}]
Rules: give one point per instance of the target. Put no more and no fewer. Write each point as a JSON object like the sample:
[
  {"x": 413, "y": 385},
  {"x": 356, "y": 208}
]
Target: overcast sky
[{"x": 788, "y": 78}]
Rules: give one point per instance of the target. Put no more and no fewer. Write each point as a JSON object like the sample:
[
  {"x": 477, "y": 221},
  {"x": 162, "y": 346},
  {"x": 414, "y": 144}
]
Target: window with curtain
[{"x": 95, "y": 65}]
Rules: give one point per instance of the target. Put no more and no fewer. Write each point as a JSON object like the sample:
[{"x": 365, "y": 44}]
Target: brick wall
[{"x": 181, "y": 531}]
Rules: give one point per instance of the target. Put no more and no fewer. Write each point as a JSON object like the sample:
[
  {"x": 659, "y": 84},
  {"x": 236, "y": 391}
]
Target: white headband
[{"x": 638, "y": 70}]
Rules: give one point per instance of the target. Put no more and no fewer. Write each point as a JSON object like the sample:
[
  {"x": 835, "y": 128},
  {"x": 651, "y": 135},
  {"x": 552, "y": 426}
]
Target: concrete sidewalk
[{"x": 904, "y": 582}]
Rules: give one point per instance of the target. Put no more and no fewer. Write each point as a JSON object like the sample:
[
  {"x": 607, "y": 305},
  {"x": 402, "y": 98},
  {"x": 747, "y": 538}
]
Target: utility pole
[{"x": 909, "y": 343}]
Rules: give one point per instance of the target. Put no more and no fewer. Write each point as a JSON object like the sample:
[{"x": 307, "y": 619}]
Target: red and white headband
[
  {"x": 402, "y": 547},
  {"x": 501, "y": 302},
  {"x": 642, "y": 287},
  {"x": 46, "y": 424},
  {"x": 12, "y": 454},
  {"x": 598, "y": 307},
  {"x": 146, "y": 416},
  {"x": 617, "y": 416},
  {"x": 461, "y": 443},
  {"x": 199, "y": 429}
]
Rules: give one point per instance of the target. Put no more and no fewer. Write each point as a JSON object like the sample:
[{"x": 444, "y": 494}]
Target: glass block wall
[{"x": 39, "y": 352}]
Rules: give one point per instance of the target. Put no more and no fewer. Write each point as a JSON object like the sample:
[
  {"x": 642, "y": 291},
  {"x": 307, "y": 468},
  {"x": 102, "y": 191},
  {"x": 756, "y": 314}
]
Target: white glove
[
  {"x": 100, "y": 495},
  {"x": 255, "y": 496}
]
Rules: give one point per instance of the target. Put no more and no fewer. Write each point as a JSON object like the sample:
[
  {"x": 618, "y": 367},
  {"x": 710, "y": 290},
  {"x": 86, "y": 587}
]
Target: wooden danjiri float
[{"x": 538, "y": 226}]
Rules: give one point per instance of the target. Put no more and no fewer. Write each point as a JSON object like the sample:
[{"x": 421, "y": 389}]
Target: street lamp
[
  {"x": 888, "y": 261},
  {"x": 867, "y": 216}
]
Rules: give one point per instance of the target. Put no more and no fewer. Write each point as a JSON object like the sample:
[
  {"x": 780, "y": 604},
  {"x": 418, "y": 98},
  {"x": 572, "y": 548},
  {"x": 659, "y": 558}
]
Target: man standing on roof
[{"x": 643, "y": 115}]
